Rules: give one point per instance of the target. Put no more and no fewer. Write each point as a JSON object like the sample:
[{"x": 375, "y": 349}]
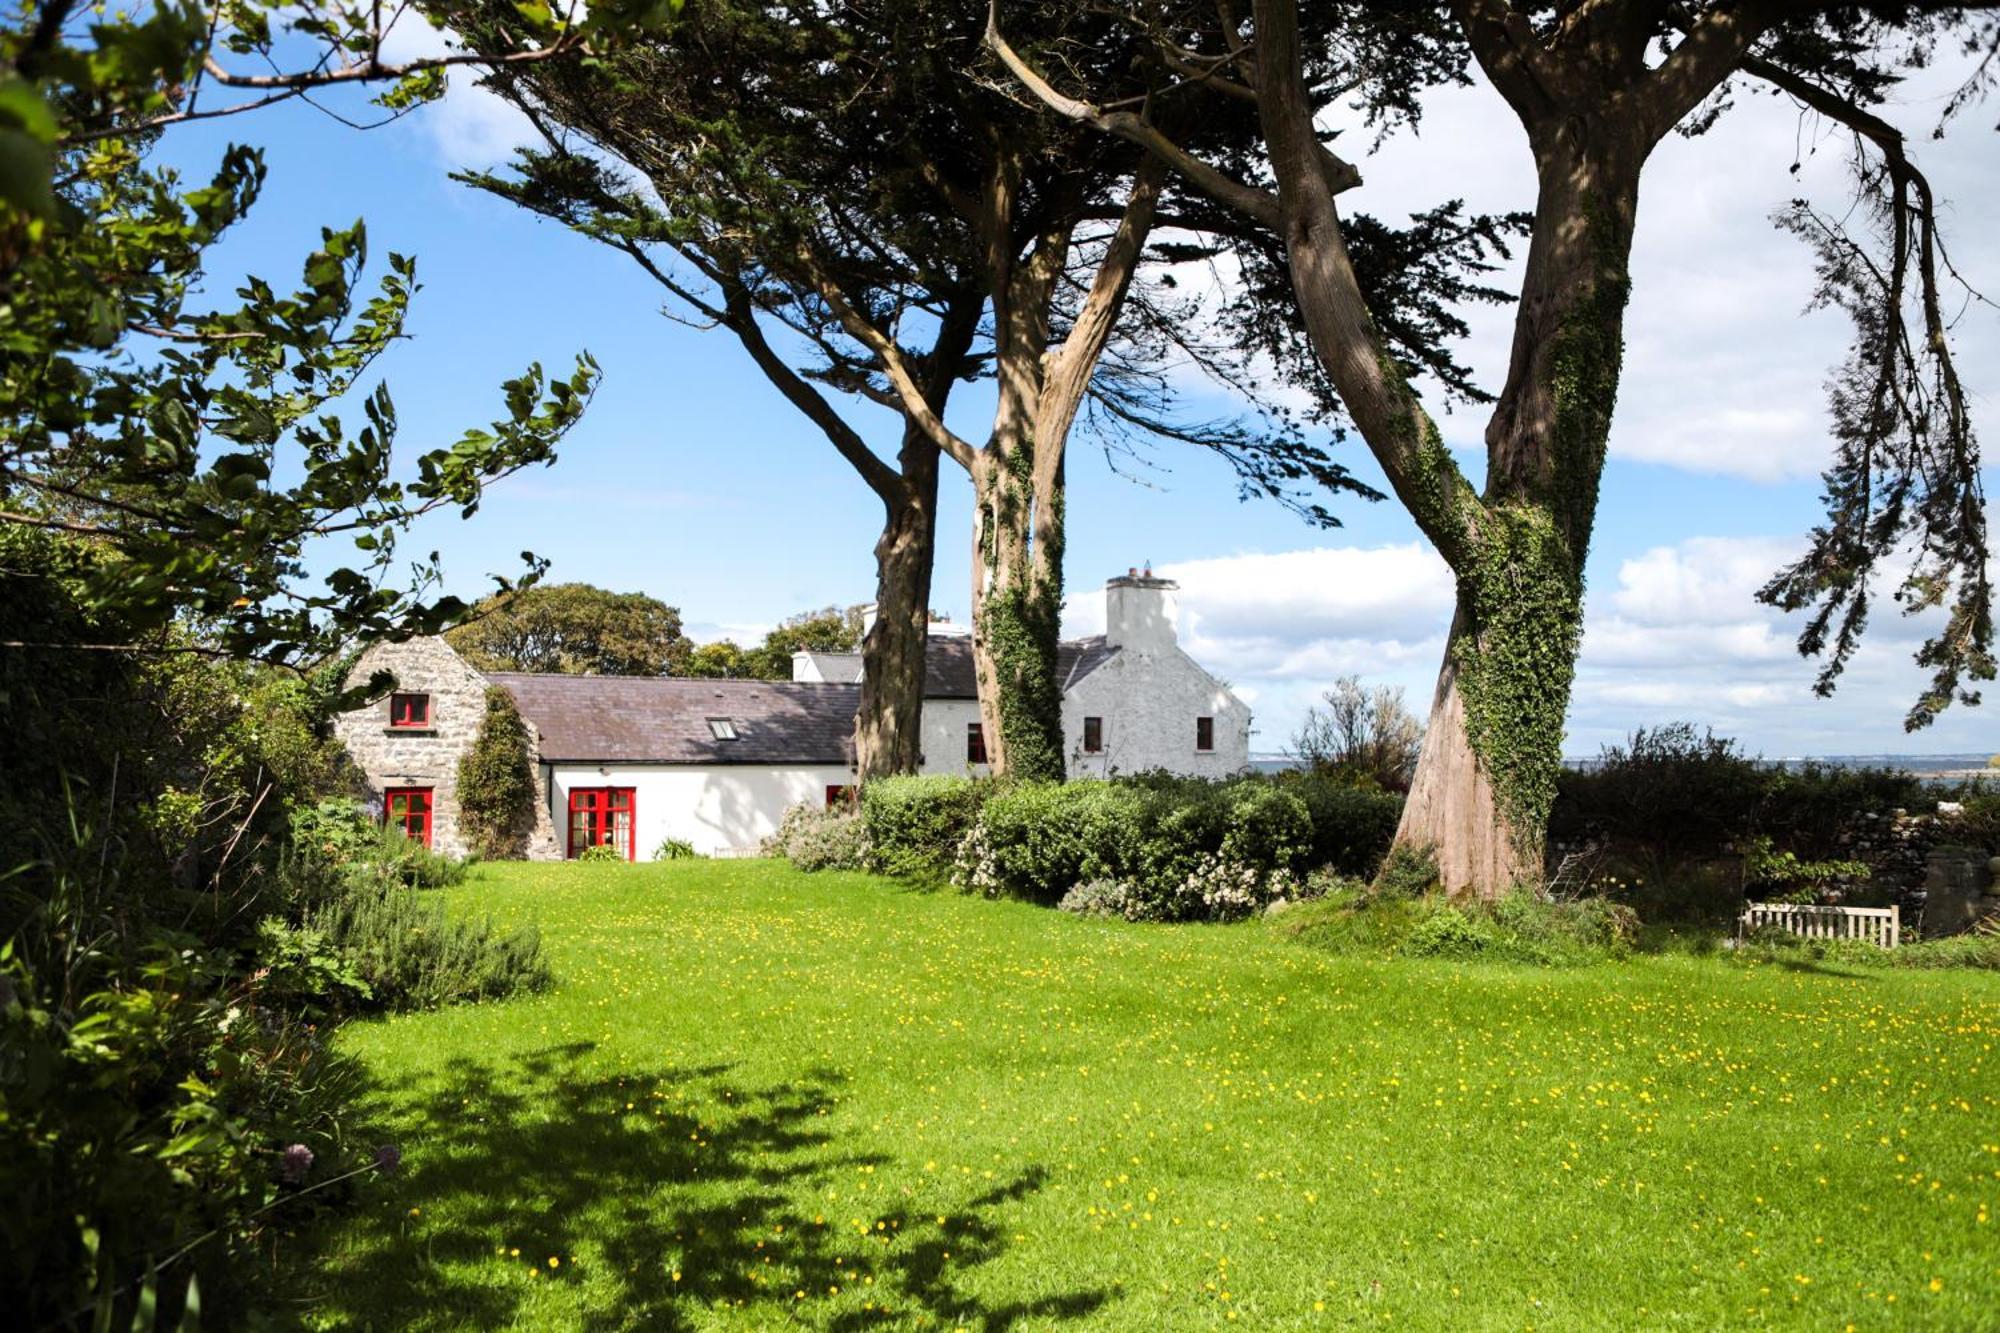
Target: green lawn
[{"x": 760, "y": 1098}]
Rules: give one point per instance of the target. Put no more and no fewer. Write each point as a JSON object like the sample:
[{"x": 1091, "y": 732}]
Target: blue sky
[{"x": 690, "y": 479}]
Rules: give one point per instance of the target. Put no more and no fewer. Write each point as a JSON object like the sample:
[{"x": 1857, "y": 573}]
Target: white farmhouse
[{"x": 632, "y": 761}]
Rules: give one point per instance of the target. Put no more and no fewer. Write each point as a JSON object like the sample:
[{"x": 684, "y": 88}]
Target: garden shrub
[
  {"x": 1036, "y": 840},
  {"x": 1449, "y": 933},
  {"x": 602, "y": 853},
  {"x": 409, "y": 954},
  {"x": 1172, "y": 840},
  {"x": 812, "y": 838},
  {"x": 496, "y": 782},
  {"x": 674, "y": 849},
  {"x": 1407, "y": 872},
  {"x": 915, "y": 824},
  {"x": 1104, "y": 897},
  {"x": 1269, "y": 828},
  {"x": 1351, "y": 827}
]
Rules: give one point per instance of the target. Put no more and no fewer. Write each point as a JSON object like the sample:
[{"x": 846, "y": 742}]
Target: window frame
[
  {"x": 598, "y": 816},
  {"x": 975, "y": 743},
  {"x": 842, "y": 795},
  {"x": 409, "y": 796},
  {"x": 410, "y": 721},
  {"x": 1093, "y": 735},
  {"x": 723, "y": 729},
  {"x": 1204, "y": 734}
]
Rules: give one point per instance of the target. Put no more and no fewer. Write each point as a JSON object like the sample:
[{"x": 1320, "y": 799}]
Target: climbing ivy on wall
[{"x": 496, "y": 782}]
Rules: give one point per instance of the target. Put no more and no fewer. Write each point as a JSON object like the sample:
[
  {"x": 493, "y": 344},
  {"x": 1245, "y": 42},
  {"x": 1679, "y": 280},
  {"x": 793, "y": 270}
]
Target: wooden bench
[{"x": 1881, "y": 926}]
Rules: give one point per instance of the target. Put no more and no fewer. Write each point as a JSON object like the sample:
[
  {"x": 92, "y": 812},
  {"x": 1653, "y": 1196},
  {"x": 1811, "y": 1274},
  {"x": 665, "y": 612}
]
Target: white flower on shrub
[{"x": 975, "y": 869}]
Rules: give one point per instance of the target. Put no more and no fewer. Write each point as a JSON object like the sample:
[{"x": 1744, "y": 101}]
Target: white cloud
[
  {"x": 1676, "y": 634},
  {"x": 470, "y": 128}
]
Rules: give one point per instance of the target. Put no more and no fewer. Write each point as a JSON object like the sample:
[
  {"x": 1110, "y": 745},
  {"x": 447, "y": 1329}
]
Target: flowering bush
[
  {"x": 812, "y": 838},
  {"x": 1104, "y": 897}
]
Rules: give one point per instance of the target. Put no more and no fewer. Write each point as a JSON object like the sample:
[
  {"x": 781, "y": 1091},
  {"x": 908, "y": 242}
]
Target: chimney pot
[{"x": 1131, "y": 571}]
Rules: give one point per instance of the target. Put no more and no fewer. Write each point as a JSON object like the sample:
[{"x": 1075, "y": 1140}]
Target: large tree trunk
[
  {"x": 1016, "y": 617},
  {"x": 888, "y": 727},
  {"x": 1487, "y": 775}
]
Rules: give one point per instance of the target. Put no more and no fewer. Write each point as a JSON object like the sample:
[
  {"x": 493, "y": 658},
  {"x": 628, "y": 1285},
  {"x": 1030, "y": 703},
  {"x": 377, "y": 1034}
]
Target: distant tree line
[{"x": 579, "y": 629}]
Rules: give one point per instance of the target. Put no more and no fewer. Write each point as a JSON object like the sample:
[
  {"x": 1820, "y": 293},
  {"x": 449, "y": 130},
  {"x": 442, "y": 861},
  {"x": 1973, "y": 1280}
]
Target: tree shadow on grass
[{"x": 689, "y": 1192}]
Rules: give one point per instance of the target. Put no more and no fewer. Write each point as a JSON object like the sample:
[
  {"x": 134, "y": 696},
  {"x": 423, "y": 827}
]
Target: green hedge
[
  {"x": 1155, "y": 831},
  {"x": 915, "y": 824}
]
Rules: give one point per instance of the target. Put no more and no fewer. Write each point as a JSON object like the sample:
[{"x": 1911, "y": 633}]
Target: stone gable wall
[{"x": 427, "y": 758}]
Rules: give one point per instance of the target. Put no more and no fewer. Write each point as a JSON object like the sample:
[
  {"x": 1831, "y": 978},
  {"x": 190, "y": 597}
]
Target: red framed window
[
  {"x": 1093, "y": 735},
  {"x": 1204, "y": 734},
  {"x": 409, "y": 712},
  {"x": 975, "y": 743},
  {"x": 409, "y": 809},
  {"x": 601, "y": 817},
  {"x": 840, "y": 795}
]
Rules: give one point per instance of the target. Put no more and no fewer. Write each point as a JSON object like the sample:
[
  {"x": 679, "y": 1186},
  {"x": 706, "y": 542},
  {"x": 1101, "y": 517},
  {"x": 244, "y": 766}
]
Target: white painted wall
[
  {"x": 943, "y": 726},
  {"x": 1149, "y": 702},
  {"x": 722, "y": 809}
]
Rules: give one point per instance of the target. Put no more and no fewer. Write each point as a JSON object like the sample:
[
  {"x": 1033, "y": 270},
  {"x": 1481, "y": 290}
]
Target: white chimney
[{"x": 1139, "y": 611}]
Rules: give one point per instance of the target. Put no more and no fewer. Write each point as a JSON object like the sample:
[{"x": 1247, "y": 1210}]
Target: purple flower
[
  {"x": 295, "y": 1162},
  {"x": 388, "y": 1157}
]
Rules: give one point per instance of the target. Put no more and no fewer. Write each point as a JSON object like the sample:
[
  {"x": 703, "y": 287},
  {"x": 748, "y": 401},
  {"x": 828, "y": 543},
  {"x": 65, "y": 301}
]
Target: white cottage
[{"x": 632, "y": 761}]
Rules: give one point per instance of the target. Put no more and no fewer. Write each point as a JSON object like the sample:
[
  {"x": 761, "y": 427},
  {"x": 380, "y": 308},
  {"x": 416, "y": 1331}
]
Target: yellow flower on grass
[{"x": 554, "y": 1262}]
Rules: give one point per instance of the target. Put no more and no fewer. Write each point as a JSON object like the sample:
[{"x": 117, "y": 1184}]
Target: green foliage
[
  {"x": 1407, "y": 872},
  {"x": 1187, "y": 848},
  {"x": 341, "y": 832},
  {"x": 1523, "y": 595},
  {"x": 674, "y": 849},
  {"x": 203, "y": 459},
  {"x": 408, "y": 953},
  {"x": 1020, "y": 628},
  {"x": 915, "y": 824},
  {"x": 574, "y": 629},
  {"x": 601, "y": 853},
  {"x": 1783, "y": 877},
  {"x": 496, "y": 782},
  {"x": 1978, "y": 820},
  {"x": 1369, "y": 738},
  {"x": 1351, "y": 827},
  {"x": 306, "y": 970},
  {"x": 1036, "y": 840},
  {"x": 1518, "y": 927},
  {"x": 1448, "y": 932},
  {"x": 814, "y": 838},
  {"x": 830, "y": 630}
]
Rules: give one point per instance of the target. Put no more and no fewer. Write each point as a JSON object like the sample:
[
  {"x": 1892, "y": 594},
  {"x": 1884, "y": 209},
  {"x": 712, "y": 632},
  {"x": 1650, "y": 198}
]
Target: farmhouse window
[
  {"x": 975, "y": 744},
  {"x": 1093, "y": 735},
  {"x": 1204, "y": 734},
  {"x": 409, "y": 711},
  {"x": 408, "y": 809},
  {"x": 722, "y": 728},
  {"x": 600, "y": 817}
]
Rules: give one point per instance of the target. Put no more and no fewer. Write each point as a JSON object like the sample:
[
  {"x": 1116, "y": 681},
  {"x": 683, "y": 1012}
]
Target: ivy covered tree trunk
[
  {"x": 1017, "y": 613},
  {"x": 1487, "y": 774}
]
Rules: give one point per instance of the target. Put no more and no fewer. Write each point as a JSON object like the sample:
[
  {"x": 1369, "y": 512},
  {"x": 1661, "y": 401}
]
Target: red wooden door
[{"x": 601, "y": 817}]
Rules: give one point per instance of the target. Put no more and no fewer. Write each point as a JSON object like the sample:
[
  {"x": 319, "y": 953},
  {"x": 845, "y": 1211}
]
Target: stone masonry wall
[{"x": 427, "y": 758}]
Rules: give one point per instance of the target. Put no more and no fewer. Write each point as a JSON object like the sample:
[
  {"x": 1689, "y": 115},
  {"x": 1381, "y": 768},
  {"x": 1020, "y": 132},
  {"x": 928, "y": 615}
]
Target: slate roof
[
  {"x": 664, "y": 720},
  {"x": 948, "y": 672}
]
